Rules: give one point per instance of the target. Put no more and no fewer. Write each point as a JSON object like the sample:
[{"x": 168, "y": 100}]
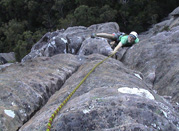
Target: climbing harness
[{"x": 49, "y": 124}]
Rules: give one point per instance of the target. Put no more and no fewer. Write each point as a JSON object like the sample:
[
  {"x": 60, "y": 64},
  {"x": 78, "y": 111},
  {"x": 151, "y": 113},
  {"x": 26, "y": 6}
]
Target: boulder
[
  {"x": 96, "y": 45},
  {"x": 109, "y": 27},
  {"x": 75, "y": 36},
  {"x": 2, "y": 61},
  {"x": 175, "y": 12},
  {"x": 7, "y": 57},
  {"x": 67, "y": 41},
  {"x": 46, "y": 46}
]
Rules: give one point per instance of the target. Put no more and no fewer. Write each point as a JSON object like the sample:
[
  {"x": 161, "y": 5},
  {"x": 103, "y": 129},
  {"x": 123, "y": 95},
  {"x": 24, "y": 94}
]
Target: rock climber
[{"x": 121, "y": 39}]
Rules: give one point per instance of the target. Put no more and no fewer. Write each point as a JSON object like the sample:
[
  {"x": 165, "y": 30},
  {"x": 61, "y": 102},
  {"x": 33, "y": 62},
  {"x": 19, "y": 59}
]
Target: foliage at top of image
[{"x": 24, "y": 22}]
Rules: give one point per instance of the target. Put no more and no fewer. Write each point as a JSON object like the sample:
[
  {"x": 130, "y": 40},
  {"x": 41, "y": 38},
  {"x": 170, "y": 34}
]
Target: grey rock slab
[
  {"x": 157, "y": 58},
  {"x": 26, "y": 87},
  {"x": 113, "y": 97}
]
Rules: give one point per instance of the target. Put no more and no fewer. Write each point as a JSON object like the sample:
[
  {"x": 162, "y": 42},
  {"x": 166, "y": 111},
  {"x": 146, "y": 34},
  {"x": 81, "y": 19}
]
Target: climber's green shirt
[{"x": 124, "y": 41}]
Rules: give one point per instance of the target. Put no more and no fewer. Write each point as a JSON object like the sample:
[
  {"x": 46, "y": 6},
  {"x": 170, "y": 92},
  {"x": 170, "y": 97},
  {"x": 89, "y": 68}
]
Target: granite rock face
[
  {"x": 139, "y": 90},
  {"x": 112, "y": 98},
  {"x": 26, "y": 87},
  {"x": 7, "y": 57},
  {"x": 2, "y": 61},
  {"x": 157, "y": 59},
  {"x": 97, "y": 45},
  {"x": 68, "y": 41}
]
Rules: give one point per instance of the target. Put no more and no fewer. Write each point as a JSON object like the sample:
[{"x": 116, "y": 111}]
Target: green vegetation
[
  {"x": 165, "y": 28},
  {"x": 12, "y": 61},
  {"x": 23, "y": 22}
]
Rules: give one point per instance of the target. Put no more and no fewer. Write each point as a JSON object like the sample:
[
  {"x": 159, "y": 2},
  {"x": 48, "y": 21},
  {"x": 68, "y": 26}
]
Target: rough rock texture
[
  {"x": 116, "y": 96},
  {"x": 158, "y": 60},
  {"x": 112, "y": 98},
  {"x": 156, "y": 56},
  {"x": 26, "y": 87},
  {"x": 68, "y": 41},
  {"x": 175, "y": 12},
  {"x": 96, "y": 45},
  {"x": 7, "y": 57},
  {"x": 4, "y": 66},
  {"x": 2, "y": 61}
]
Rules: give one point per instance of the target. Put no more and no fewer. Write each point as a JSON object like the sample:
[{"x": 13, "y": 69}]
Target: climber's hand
[
  {"x": 112, "y": 43},
  {"x": 110, "y": 53}
]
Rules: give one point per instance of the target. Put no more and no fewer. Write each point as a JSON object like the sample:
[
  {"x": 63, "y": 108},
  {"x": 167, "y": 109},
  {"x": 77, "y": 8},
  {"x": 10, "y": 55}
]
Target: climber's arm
[{"x": 117, "y": 47}]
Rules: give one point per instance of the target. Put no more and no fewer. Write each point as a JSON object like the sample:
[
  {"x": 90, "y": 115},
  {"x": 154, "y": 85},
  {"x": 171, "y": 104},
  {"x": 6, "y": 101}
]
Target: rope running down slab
[{"x": 49, "y": 124}]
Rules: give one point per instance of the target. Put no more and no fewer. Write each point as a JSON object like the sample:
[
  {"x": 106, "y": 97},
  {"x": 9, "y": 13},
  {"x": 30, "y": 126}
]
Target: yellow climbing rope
[{"x": 49, "y": 124}]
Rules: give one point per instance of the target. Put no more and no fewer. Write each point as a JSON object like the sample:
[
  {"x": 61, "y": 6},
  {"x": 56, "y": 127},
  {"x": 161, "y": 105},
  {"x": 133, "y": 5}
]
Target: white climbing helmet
[{"x": 133, "y": 33}]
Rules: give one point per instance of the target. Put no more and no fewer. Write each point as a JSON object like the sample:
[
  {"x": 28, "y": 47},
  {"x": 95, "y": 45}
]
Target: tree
[{"x": 23, "y": 22}]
